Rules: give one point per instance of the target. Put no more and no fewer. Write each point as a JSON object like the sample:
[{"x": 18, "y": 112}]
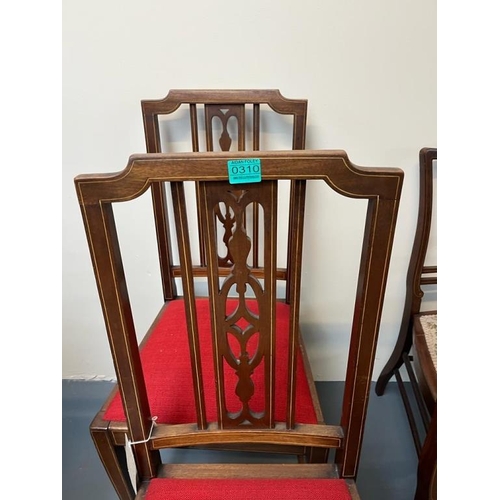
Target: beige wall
[{"x": 367, "y": 68}]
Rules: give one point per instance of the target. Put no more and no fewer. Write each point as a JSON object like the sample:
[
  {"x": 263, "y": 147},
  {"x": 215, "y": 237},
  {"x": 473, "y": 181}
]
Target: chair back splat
[
  {"x": 249, "y": 391},
  {"x": 217, "y": 109}
]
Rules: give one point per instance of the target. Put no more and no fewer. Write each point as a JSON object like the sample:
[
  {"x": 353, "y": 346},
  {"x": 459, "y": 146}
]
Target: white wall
[{"x": 368, "y": 70}]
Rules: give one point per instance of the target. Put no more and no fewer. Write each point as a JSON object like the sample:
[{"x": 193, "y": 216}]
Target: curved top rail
[
  {"x": 176, "y": 97},
  {"x": 334, "y": 167}
]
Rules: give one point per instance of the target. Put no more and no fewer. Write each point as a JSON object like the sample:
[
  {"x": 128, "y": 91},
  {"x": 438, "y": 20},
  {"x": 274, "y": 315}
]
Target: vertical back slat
[
  {"x": 194, "y": 127},
  {"x": 209, "y": 134},
  {"x": 298, "y": 142},
  {"x": 159, "y": 198},
  {"x": 270, "y": 265},
  {"x": 256, "y": 147},
  {"x": 179, "y": 204},
  {"x": 240, "y": 116},
  {"x": 210, "y": 233},
  {"x": 193, "y": 112},
  {"x": 255, "y": 234},
  {"x": 295, "y": 244},
  {"x": 256, "y": 127}
]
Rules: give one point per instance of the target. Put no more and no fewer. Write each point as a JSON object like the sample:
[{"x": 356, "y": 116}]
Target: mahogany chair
[
  {"x": 244, "y": 382},
  {"x": 416, "y": 347},
  {"x": 210, "y": 120}
]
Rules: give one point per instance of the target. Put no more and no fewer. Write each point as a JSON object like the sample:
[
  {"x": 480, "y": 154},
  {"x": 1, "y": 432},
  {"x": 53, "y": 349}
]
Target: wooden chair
[
  {"x": 242, "y": 383},
  {"x": 211, "y": 119},
  {"x": 416, "y": 347}
]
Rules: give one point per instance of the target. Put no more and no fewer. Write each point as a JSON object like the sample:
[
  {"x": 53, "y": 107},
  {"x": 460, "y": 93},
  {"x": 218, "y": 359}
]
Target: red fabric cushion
[
  {"x": 167, "y": 370},
  {"x": 255, "y": 489}
]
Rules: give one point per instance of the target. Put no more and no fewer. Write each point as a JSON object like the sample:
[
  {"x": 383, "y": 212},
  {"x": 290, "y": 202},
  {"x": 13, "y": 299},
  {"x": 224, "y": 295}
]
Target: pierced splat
[
  {"x": 224, "y": 113},
  {"x": 244, "y": 334}
]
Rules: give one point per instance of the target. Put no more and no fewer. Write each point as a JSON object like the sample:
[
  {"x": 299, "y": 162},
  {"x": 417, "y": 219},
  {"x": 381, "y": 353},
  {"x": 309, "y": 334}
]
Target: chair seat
[
  {"x": 254, "y": 489},
  {"x": 425, "y": 355},
  {"x": 428, "y": 324},
  {"x": 167, "y": 370}
]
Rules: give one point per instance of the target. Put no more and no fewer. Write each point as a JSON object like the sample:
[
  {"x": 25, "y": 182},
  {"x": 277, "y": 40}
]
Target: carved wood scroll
[{"x": 243, "y": 307}]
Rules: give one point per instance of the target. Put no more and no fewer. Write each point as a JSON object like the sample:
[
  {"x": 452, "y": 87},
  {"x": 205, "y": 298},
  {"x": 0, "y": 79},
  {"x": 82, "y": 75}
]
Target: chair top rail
[
  {"x": 176, "y": 97},
  {"x": 333, "y": 166}
]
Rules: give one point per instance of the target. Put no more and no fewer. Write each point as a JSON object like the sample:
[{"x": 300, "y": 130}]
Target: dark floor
[{"x": 387, "y": 467}]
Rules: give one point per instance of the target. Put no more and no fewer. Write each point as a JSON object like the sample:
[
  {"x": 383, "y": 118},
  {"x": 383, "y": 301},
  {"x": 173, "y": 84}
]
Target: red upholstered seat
[
  {"x": 255, "y": 489},
  {"x": 167, "y": 370}
]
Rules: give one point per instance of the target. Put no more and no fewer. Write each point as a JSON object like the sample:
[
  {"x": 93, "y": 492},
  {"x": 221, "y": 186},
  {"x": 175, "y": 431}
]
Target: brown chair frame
[
  {"x": 420, "y": 368},
  {"x": 382, "y": 189}
]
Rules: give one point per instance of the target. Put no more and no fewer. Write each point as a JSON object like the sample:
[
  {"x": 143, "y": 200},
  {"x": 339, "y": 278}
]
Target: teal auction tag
[{"x": 243, "y": 171}]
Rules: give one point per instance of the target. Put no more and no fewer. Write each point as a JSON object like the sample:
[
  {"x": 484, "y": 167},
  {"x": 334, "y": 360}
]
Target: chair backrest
[
  {"x": 218, "y": 108},
  {"x": 243, "y": 335},
  {"x": 420, "y": 274}
]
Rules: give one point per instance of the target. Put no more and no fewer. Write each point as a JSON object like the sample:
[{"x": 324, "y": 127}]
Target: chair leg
[
  {"x": 427, "y": 464},
  {"x": 114, "y": 462},
  {"x": 403, "y": 345}
]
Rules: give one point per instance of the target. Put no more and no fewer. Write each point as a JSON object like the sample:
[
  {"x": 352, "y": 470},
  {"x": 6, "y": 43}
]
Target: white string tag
[{"x": 129, "y": 455}]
